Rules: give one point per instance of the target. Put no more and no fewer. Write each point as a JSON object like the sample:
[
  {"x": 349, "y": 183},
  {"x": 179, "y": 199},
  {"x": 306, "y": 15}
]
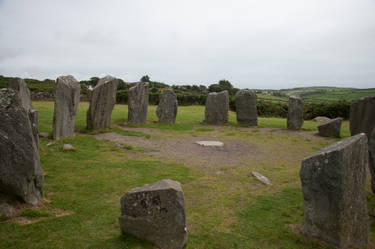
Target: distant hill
[
  {"x": 322, "y": 93},
  {"x": 309, "y": 94}
]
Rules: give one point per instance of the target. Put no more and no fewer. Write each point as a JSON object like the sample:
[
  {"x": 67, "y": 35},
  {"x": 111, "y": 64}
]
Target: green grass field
[{"x": 226, "y": 206}]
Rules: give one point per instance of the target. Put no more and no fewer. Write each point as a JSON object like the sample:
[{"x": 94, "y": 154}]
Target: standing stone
[
  {"x": 156, "y": 213},
  {"x": 333, "y": 187},
  {"x": 371, "y": 150},
  {"x": 23, "y": 91},
  {"x": 103, "y": 99},
  {"x": 246, "y": 108},
  {"x": 21, "y": 174},
  {"x": 217, "y": 106},
  {"x": 362, "y": 116},
  {"x": 66, "y": 105},
  {"x": 167, "y": 108},
  {"x": 331, "y": 128},
  {"x": 138, "y": 103},
  {"x": 20, "y": 86},
  {"x": 295, "y": 113}
]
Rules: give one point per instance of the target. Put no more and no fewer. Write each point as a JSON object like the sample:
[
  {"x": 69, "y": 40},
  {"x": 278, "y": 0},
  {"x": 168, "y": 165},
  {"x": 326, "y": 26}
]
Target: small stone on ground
[
  {"x": 261, "y": 178},
  {"x": 210, "y": 143},
  {"x": 68, "y": 147},
  {"x": 43, "y": 134}
]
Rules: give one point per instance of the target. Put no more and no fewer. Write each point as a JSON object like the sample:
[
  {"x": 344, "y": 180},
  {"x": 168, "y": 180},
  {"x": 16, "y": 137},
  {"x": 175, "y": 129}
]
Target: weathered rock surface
[
  {"x": 362, "y": 116},
  {"x": 321, "y": 119},
  {"x": 23, "y": 91},
  {"x": 333, "y": 186},
  {"x": 20, "y": 169},
  {"x": 138, "y": 103},
  {"x": 246, "y": 108},
  {"x": 371, "y": 150},
  {"x": 6, "y": 210},
  {"x": 156, "y": 213},
  {"x": 330, "y": 128},
  {"x": 66, "y": 105},
  {"x": 167, "y": 108},
  {"x": 20, "y": 86},
  {"x": 295, "y": 113},
  {"x": 217, "y": 106},
  {"x": 103, "y": 99}
]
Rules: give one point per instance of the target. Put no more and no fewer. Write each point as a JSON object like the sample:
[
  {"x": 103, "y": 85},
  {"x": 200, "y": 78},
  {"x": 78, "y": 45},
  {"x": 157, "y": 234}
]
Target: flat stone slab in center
[{"x": 210, "y": 143}]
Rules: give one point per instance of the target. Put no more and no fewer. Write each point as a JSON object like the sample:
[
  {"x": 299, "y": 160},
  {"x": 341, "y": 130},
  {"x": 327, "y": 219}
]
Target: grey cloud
[{"x": 254, "y": 44}]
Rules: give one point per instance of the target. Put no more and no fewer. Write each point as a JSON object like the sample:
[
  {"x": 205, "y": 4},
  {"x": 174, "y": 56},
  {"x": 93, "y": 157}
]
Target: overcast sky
[{"x": 252, "y": 43}]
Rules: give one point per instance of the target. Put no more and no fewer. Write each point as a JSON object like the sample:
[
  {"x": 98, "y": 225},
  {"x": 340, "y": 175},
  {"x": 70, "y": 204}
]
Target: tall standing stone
[
  {"x": 246, "y": 108},
  {"x": 330, "y": 128},
  {"x": 333, "y": 187},
  {"x": 23, "y": 91},
  {"x": 217, "y": 106},
  {"x": 362, "y": 116},
  {"x": 103, "y": 99},
  {"x": 371, "y": 150},
  {"x": 138, "y": 103},
  {"x": 21, "y": 174},
  {"x": 156, "y": 213},
  {"x": 167, "y": 108},
  {"x": 67, "y": 95},
  {"x": 295, "y": 113},
  {"x": 20, "y": 86},
  {"x": 362, "y": 119}
]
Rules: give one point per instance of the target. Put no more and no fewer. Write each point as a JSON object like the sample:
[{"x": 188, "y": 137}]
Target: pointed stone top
[
  {"x": 68, "y": 80},
  {"x": 338, "y": 146},
  {"x": 104, "y": 80},
  {"x": 15, "y": 83},
  {"x": 222, "y": 92},
  {"x": 139, "y": 84},
  {"x": 295, "y": 97}
]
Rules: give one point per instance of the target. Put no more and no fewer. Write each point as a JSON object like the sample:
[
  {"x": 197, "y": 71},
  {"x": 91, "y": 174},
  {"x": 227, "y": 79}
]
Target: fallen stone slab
[
  {"x": 246, "y": 108},
  {"x": 261, "y": 178},
  {"x": 333, "y": 187},
  {"x": 138, "y": 103},
  {"x": 21, "y": 173},
  {"x": 102, "y": 101},
  {"x": 217, "y": 107},
  {"x": 331, "y": 128},
  {"x": 156, "y": 213},
  {"x": 67, "y": 94},
  {"x": 210, "y": 143},
  {"x": 295, "y": 113}
]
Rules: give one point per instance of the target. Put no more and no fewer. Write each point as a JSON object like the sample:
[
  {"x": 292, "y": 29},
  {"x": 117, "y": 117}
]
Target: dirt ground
[{"x": 236, "y": 152}]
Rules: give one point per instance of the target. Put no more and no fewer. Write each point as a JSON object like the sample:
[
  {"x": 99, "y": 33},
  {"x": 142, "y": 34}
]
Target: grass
[
  {"x": 226, "y": 207},
  {"x": 31, "y": 213}
]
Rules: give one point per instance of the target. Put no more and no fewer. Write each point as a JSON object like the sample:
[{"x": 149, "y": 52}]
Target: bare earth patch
[
  {"x": 19, "y": 216},
  {"x": 185, "y": 150}
]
